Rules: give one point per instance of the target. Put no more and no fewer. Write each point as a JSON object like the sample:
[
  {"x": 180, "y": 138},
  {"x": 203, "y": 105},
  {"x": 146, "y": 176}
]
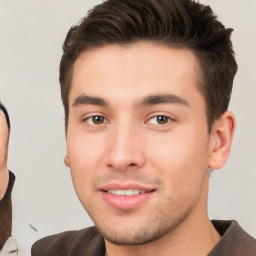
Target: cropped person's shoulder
[{"x": 85, "y": 242}]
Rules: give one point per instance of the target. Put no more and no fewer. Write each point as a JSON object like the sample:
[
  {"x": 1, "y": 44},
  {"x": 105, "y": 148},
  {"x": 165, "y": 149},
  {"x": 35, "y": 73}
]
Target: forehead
[{"x": 144, "y": 67}]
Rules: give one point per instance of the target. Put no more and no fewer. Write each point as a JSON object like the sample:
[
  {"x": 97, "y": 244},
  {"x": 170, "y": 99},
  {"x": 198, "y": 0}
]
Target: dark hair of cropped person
[
  {"x": 173, "y": 23},
  {"x": 2, "y": 108}
]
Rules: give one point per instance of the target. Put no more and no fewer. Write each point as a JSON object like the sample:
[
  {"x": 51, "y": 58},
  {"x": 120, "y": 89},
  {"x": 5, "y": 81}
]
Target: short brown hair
[{"x": 174, "y": 23}]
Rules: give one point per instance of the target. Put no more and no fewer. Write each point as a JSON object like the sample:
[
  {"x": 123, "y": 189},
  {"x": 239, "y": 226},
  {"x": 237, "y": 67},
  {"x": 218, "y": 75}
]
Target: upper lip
[{"x": 128, "y": 186}]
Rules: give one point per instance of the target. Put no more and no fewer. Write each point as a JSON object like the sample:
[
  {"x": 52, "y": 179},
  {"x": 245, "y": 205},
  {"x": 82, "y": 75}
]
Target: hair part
[{"x": 173, "y": 23}]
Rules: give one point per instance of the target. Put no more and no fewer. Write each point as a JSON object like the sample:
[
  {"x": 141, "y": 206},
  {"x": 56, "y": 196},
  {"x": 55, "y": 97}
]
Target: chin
[{"x": 135, "y": 235}]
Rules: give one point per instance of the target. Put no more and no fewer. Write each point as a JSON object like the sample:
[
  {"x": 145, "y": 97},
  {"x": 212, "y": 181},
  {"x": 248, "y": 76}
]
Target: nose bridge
[{"x": 124, "y": 146}]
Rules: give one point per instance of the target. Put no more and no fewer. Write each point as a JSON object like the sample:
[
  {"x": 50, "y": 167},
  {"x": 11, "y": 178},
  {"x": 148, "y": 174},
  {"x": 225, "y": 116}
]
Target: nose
[{"x": 125, "y": 148}]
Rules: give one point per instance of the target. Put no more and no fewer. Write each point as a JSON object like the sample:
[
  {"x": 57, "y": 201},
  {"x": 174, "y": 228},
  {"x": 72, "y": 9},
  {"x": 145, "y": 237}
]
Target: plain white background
[{"x": 31, "y": 37}]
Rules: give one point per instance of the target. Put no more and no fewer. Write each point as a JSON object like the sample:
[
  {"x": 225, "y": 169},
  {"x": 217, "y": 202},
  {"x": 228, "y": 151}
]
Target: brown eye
[
  {"x": 95, "y": 120},
  {"x": 159, "y": 120},
  {"x": 98, "y": 119},
  {"x": 162, "y": 119}
]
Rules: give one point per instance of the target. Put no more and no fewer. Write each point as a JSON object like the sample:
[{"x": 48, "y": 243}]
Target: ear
[
  {"x": 221, "y": 138},
  {"x": 66, "y": 161}
]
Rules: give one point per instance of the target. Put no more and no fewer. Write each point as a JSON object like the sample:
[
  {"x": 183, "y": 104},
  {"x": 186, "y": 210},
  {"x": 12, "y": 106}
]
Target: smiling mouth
[
  {"x": 128, "y": 192},
  {"x": 126, "y": 199}
]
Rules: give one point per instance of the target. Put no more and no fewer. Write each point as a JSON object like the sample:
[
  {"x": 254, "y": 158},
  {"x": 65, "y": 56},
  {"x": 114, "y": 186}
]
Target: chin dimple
[{"x": 129, "y": 192}]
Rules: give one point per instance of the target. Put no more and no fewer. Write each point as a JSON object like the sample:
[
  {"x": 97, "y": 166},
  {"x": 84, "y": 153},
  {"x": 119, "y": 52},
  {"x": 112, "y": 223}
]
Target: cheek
[
  {"x": 181, "y": 160},
  {"x": 84, "y": 157},
  {"x": 82, "y": 150}
]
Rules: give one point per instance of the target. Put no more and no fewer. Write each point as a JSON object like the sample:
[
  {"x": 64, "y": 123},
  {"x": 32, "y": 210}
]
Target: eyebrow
[
  {"x": 149, "y": 100},
  {"x": 162, "y": 99},
  {"x": 89, "y": 100}
]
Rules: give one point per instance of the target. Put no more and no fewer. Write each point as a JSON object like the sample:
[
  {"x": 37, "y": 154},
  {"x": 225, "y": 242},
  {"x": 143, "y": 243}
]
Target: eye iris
[
  {"x": 98, "y": 119},
  {"x": 162, "y": 119}
]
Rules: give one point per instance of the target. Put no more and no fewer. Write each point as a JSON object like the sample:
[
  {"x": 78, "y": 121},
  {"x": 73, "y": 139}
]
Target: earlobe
[
  {"x": 221, "y": 139},
  {"x": 66, "y": 161}
]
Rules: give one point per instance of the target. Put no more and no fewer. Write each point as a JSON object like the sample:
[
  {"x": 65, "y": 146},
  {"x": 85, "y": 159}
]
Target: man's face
[{"x": 137, "y": 141}]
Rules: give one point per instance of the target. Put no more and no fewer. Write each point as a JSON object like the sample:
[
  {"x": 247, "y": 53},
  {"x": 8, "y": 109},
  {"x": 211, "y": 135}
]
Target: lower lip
[{"x": 125, "y": 202}]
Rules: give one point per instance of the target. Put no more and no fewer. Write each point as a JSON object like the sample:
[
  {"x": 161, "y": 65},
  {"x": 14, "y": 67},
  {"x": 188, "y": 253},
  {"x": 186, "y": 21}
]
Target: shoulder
[
  {"x": 83, "y": 242},
  {"x": 235, "y": 241}
]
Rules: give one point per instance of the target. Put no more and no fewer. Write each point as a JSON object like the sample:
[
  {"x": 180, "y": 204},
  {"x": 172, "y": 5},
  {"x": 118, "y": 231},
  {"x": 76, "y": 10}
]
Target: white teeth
[{"x": 129, "y": 192}]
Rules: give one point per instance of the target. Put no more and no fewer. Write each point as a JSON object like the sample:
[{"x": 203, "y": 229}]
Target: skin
[
  {"x": 4, "y": 136},
  {"x": 119, "y": 136}
]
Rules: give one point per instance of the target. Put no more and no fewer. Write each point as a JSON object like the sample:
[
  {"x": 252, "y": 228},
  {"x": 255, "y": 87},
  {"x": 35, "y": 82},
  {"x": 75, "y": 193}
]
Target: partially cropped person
[{"x": 7, "y": 179}]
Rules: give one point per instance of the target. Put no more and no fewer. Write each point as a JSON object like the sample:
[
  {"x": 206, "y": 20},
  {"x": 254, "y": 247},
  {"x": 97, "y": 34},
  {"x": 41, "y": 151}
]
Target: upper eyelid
[{"x": 93, "y": 114}]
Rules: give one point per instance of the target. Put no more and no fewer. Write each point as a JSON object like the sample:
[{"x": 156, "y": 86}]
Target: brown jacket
[
  {"x": 89, "y": 242},
  {"x": 6, "y": 212}
]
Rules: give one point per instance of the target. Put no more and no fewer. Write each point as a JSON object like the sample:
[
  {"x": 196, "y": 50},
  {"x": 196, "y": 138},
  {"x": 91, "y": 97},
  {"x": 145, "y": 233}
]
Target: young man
[{"x": 146, "y": 86}]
